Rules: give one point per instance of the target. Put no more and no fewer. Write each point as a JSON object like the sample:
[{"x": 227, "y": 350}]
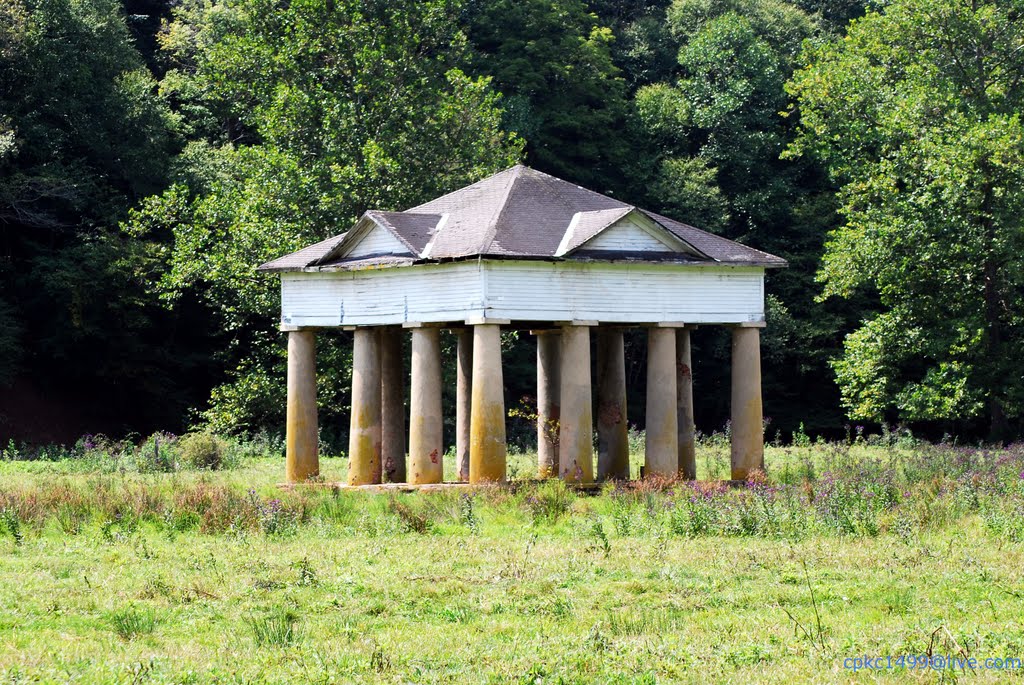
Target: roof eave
[{"x": 327, "y": 268}]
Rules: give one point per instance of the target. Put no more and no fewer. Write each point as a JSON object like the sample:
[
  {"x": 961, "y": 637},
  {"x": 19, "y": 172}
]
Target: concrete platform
[{"x": 512, "y": 486}]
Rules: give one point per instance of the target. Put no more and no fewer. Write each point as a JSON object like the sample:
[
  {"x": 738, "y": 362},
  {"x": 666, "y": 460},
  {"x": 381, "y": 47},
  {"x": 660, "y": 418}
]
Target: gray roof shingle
[{"x": 519, "y": 212}]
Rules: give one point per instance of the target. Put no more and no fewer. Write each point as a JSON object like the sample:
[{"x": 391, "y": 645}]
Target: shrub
[
  {"x": 202, "y": 450},
  {"x": 159, "y": 453},
  {"x": 549, "y": 501},
  {"x": 10, "y": 521}
]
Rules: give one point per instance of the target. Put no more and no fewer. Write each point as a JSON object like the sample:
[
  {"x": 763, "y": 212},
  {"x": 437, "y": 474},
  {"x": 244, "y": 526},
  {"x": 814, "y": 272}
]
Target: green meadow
[{"x": 116, "y": 567}]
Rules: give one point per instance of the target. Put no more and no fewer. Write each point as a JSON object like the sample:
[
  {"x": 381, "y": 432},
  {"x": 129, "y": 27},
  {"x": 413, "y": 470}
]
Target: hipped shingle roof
[{"x": 517, "y": 213}]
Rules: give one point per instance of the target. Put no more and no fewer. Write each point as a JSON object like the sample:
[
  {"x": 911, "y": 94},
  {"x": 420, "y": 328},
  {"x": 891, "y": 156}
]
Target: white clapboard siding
[
  {"x": 435, "y": 292},
  {"x": 626, "y": 236},
  {"x": 378, "y": 240},
  {"x": 525, "y": 291},
  {"x": 626, "y": 293}
]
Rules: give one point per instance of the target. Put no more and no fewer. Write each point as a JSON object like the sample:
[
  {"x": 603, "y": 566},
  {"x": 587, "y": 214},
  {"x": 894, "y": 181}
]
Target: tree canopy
[
  {"x": 299, "y": 116},
  {"x": 154, "y": 152},
  {"x": 916, "y": 113}
]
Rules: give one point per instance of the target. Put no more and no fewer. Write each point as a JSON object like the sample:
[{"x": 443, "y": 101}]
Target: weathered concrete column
[
  {"x": 364, "y": 437},
  {"x": 302, "y": 458},
  {"x": 487, "y": 448},
  {"x": 661, "y": 446},
  {"x": 549, "y": 354},
  {"x": 684, "y": 406},
  {"x": 426, "y": 451},
  {"x": 463, "y": 384},
  {"x": 612, "y": 437},
  {"x": 747, "y": 423},
  {"x": 392, "y": 404},
  {"x": 576, "y": 425}
]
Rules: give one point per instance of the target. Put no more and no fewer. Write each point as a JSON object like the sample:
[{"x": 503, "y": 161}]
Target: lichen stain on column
[
  {"x": 575, "y": 439},
  {"x": 661, "y": 445},
  {"x": 365, "y": 425},
  {"x": 425, "y": 423},
  {"x": 684, "y": 413},
  {"x": 548, "y": 403},
  {"x": 487, "y": 448},
  {"x": 301, "y": 449},
  {"x": 747, "y": 450},
  {"x": 612, "y": 436}
]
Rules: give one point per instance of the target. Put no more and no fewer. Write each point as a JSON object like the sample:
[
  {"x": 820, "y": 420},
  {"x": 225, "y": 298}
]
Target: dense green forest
[{"x": 154, "y": 152}]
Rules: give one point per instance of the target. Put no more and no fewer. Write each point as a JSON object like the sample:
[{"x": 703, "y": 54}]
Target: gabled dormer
[{"x": 625, "y": 231}]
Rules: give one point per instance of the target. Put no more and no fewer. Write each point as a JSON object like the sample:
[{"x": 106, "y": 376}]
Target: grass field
[{"x": 111, "y": 573}]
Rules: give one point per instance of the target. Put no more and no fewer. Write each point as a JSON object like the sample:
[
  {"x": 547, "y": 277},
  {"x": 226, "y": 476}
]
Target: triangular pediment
[
  {"x": 625, "y": 230},
  {"x": 376, "y": 234},
  {"x": 376, "y": 240}
]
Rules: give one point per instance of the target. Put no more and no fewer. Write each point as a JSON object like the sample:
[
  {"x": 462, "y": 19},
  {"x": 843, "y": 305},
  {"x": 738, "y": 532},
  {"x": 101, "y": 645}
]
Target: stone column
[
  {"x": 392, "y": 404},
  {"x": 684, "y": 406},
  {"x": 302, "y": 459},
  {"x": 364, "y": 440},
  {"x": 487, "y": 448},
  {"x": 612, "y": 437},
  {"x": 747, "y": 424},
  {"x": 426, "y": 451},
  {"x": 463, "y": 384},
  {"x": 576, "y": 425},
  {"x": 548, "y": 405},
  {"x": 661, "y": 446}
]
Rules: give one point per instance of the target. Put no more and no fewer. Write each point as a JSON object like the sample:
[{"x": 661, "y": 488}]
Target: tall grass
[{"x": 834, "y": 489}]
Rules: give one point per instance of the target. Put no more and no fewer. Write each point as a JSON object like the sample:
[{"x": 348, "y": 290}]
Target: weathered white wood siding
[
  {"x": 647, "y": 293},
  {"x": 436, "y": 292},
  {"x": 525, "y": 290},
  {"x": 625, "y": 236},
  {"x": 378, "y": 240}
]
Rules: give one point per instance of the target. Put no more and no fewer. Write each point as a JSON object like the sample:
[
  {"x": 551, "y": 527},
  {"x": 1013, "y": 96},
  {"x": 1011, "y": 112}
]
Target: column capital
[
  {"x": 577, "y": 322},
  {"x": 748, "y": 324},
  {"x": 486, "y": 320}
]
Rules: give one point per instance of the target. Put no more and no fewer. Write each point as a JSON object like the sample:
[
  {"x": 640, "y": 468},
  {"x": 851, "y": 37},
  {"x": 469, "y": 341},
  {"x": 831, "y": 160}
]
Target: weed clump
[
  {"x": 549, "y": 502},
  {"x": 413, "y": 521},
  {"x": 11, "y": 523},
  {"x": 203, "y": 451},
  {"x": 130, "y": 623},
  {"x": 278, "y": 628}
]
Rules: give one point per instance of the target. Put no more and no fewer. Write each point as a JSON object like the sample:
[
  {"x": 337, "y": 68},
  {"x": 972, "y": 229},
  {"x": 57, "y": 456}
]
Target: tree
[
  {"x": 713, "y": 136},
  {"x": 718, "y": 125},
  {"x": 916, "y": 112},
  {"x": 564, "y": 95},
  {"x": 301, "y": 115},
  {"x": 83, "y": 135}
]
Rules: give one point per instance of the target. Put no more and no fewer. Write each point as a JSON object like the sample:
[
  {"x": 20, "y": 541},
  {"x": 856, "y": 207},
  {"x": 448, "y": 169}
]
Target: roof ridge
[
  {"x": 561, "y": 181},
  {"x": 492, "y": 225},
  {"x": 459, "y": 190}
]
